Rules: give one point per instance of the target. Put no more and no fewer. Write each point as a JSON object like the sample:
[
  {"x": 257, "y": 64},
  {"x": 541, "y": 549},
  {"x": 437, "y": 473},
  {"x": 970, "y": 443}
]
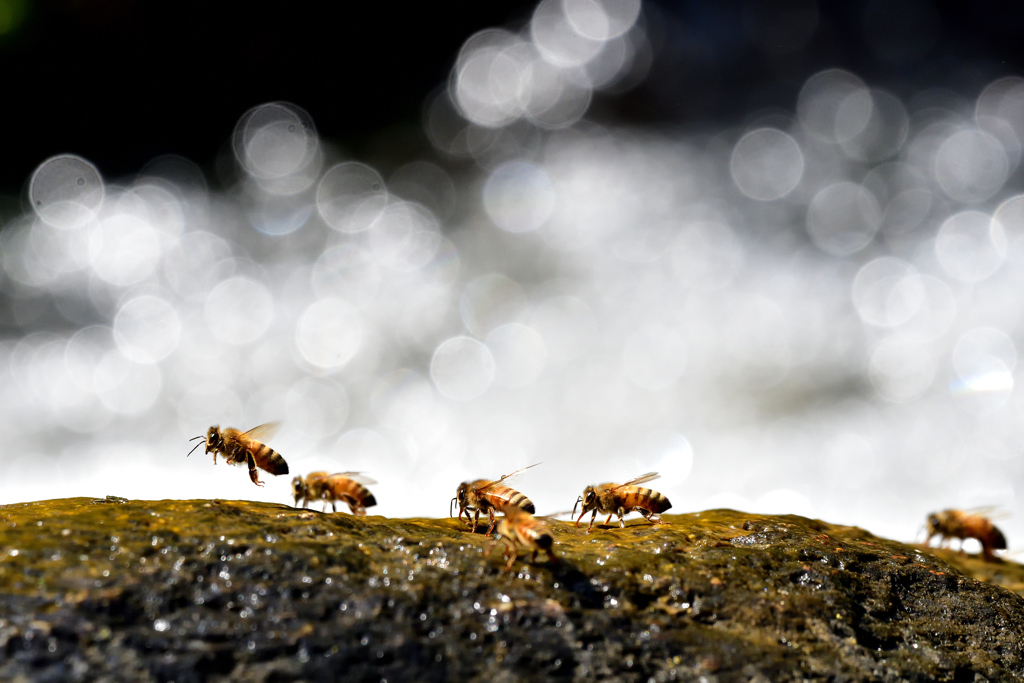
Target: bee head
[
  {"x": 299, "y": 489},
  {"x": 589, "y": 498},
  {"x": 933, "y": 523},
  {"x": 213, "y": 439}
]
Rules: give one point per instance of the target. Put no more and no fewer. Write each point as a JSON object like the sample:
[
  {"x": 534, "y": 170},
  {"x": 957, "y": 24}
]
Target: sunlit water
[{"x": 816, "y": 313}]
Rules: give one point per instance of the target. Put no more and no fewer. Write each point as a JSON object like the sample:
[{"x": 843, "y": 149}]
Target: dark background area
[{"x": 122, "y": 81}]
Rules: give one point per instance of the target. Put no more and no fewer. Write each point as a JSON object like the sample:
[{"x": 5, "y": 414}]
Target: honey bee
[
  {"x": 347, "y": 487},
  {"x": 621, "y": 499},
  {"x": 244, "y": 447},
  {"x": 962, "y": 524},
  {"x": 519, "y": 529},
  {"x": 486, "y": 495}
]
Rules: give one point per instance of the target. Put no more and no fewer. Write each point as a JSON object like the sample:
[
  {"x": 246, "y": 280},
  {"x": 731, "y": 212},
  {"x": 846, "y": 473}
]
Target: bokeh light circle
[
  {"x": 127, "y": 387},
  {"x": 969, "y": 246},
  {"x": 1008, "y": 220},
  {"x": 329, "y": 333},
  {"x": 820, "y": 100},
  {"x": 519, "y": 354},
  {"x": 462, "y": 368},
  {"x": 843, "y": 218},
  {"x": 766, "y": 164},
  {"x": 887, "y": 292},
  {"x": 147, "y": 329},
  {"x": 351, "y": 197},
  {"x": 601, "y": 19},
  {"x": 669, "y": 454},
  {"x": 275, "y": 140},
  {"x": 971, "y": 166},
  {"x": 239, "y": 310},
  {"x": 124, "y": 249},
  {"x": 519, "y": 197},
  {"x": 66, "y": 191}
]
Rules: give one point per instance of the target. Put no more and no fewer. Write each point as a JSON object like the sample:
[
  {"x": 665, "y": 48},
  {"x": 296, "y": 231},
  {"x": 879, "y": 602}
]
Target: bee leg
[
  {"x": 651, "y": 517},
  {"x": 593, "y": 516},
  {"x": 511, "y": 557},
  {"x": 608, "y": 519},
  {"x": 476, "y": 519},
  {"x": 494, "y": 522},
  {"x": 551, "y": 556},
  {"x": 533, "y": 557},
  {"x": 253, "y": 474}
]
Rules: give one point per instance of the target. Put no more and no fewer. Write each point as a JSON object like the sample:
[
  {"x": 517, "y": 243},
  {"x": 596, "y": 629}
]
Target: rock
[{"x": 216, "y": 590}]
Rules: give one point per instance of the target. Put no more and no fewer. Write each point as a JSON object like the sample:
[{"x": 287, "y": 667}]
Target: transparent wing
[
  {"x": 357, "y": 477},
  {"x": 642, "y": 479},
  {"x": 990, "y": 511},
  {"x": 507, "y": 478},
  {"x": 262, "y": 432}
]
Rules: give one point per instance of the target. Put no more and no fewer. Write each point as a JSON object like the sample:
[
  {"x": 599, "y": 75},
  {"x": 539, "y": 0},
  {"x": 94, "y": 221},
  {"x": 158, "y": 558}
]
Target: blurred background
[{"x": 773, "y": 250}]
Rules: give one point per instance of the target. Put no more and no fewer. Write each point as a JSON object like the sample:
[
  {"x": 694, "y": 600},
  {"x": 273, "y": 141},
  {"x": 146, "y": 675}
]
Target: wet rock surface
[{"x": 217, "y": 590}]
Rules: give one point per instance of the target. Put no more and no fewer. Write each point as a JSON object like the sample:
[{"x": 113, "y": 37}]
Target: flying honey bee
[
  {"x": 486, "y": 495},
  {"x": 244, "y": 447},
  {"x": 519, "y": 529},
  {"x": 347, "y": 487},
  {"x": 962, "y": 524},
  {"x": 621, "y": 499}
]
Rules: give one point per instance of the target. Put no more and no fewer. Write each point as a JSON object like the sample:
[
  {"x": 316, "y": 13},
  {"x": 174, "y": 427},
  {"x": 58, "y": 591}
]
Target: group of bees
[{"x": 518, "y": 529}]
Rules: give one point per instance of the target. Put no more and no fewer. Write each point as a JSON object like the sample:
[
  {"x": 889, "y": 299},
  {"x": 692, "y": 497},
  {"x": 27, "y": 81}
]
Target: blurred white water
[{"x": 817, "y": 316}]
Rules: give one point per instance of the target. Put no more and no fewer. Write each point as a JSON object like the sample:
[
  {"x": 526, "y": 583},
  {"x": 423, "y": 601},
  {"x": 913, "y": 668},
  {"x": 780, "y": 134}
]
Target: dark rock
[{"x": 218, "y": 590}]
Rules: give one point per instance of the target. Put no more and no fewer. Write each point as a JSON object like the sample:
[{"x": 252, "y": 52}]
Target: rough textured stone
[{"x": 210, "y": 590}]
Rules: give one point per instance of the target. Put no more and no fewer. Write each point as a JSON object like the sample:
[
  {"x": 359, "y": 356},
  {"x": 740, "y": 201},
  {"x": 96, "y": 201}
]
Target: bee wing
[
  {"x": 357, "y": 477},
  {"x": 261, "y": 432},
  {"x": 990, "y": 511},
  {"x": 506, "y": 477},
  {"x": 642, "y": 479}
]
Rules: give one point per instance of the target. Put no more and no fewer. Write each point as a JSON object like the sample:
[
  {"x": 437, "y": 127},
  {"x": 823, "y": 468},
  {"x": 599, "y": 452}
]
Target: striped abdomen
[
  {"x": 645, "y": 499},
  {"x": 499, "y": 496},
  {"x": 268, "y": 459},
  {"x": 533, "y": 534},
  {"x": 343, "y": 488},
  {"x": 238, "y": 446}
]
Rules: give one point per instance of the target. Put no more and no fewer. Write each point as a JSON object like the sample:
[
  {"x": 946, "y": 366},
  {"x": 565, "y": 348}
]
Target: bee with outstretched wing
[
  {"x": 247, "y": 448},
  {"x": 621, "y": 499},
  {"x": 486, "y": 495}
]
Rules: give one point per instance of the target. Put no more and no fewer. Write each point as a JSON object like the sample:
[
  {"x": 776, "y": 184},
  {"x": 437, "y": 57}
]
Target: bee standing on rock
[
  {"x": 961, "y": 524},
  {"x": 621, "y": 499},
  {"x": 244, "y": 447},
  {"x": 347, "y": 487},
  {"x": 519, "y": 529},
  {"x": 486, "y": 495}
]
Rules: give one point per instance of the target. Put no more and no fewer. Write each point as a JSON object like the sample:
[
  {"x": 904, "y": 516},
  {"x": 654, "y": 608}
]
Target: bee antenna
[
  {"x": 197, "y": 437},
  {"x": 578, "y": 501},
  {"x": 450, "y": 507},
  {"x": 195, "y": 447}
]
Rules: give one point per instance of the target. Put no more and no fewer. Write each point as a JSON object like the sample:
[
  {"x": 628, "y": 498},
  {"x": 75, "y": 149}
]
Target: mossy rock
[{"x": 216, "y": 590}]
